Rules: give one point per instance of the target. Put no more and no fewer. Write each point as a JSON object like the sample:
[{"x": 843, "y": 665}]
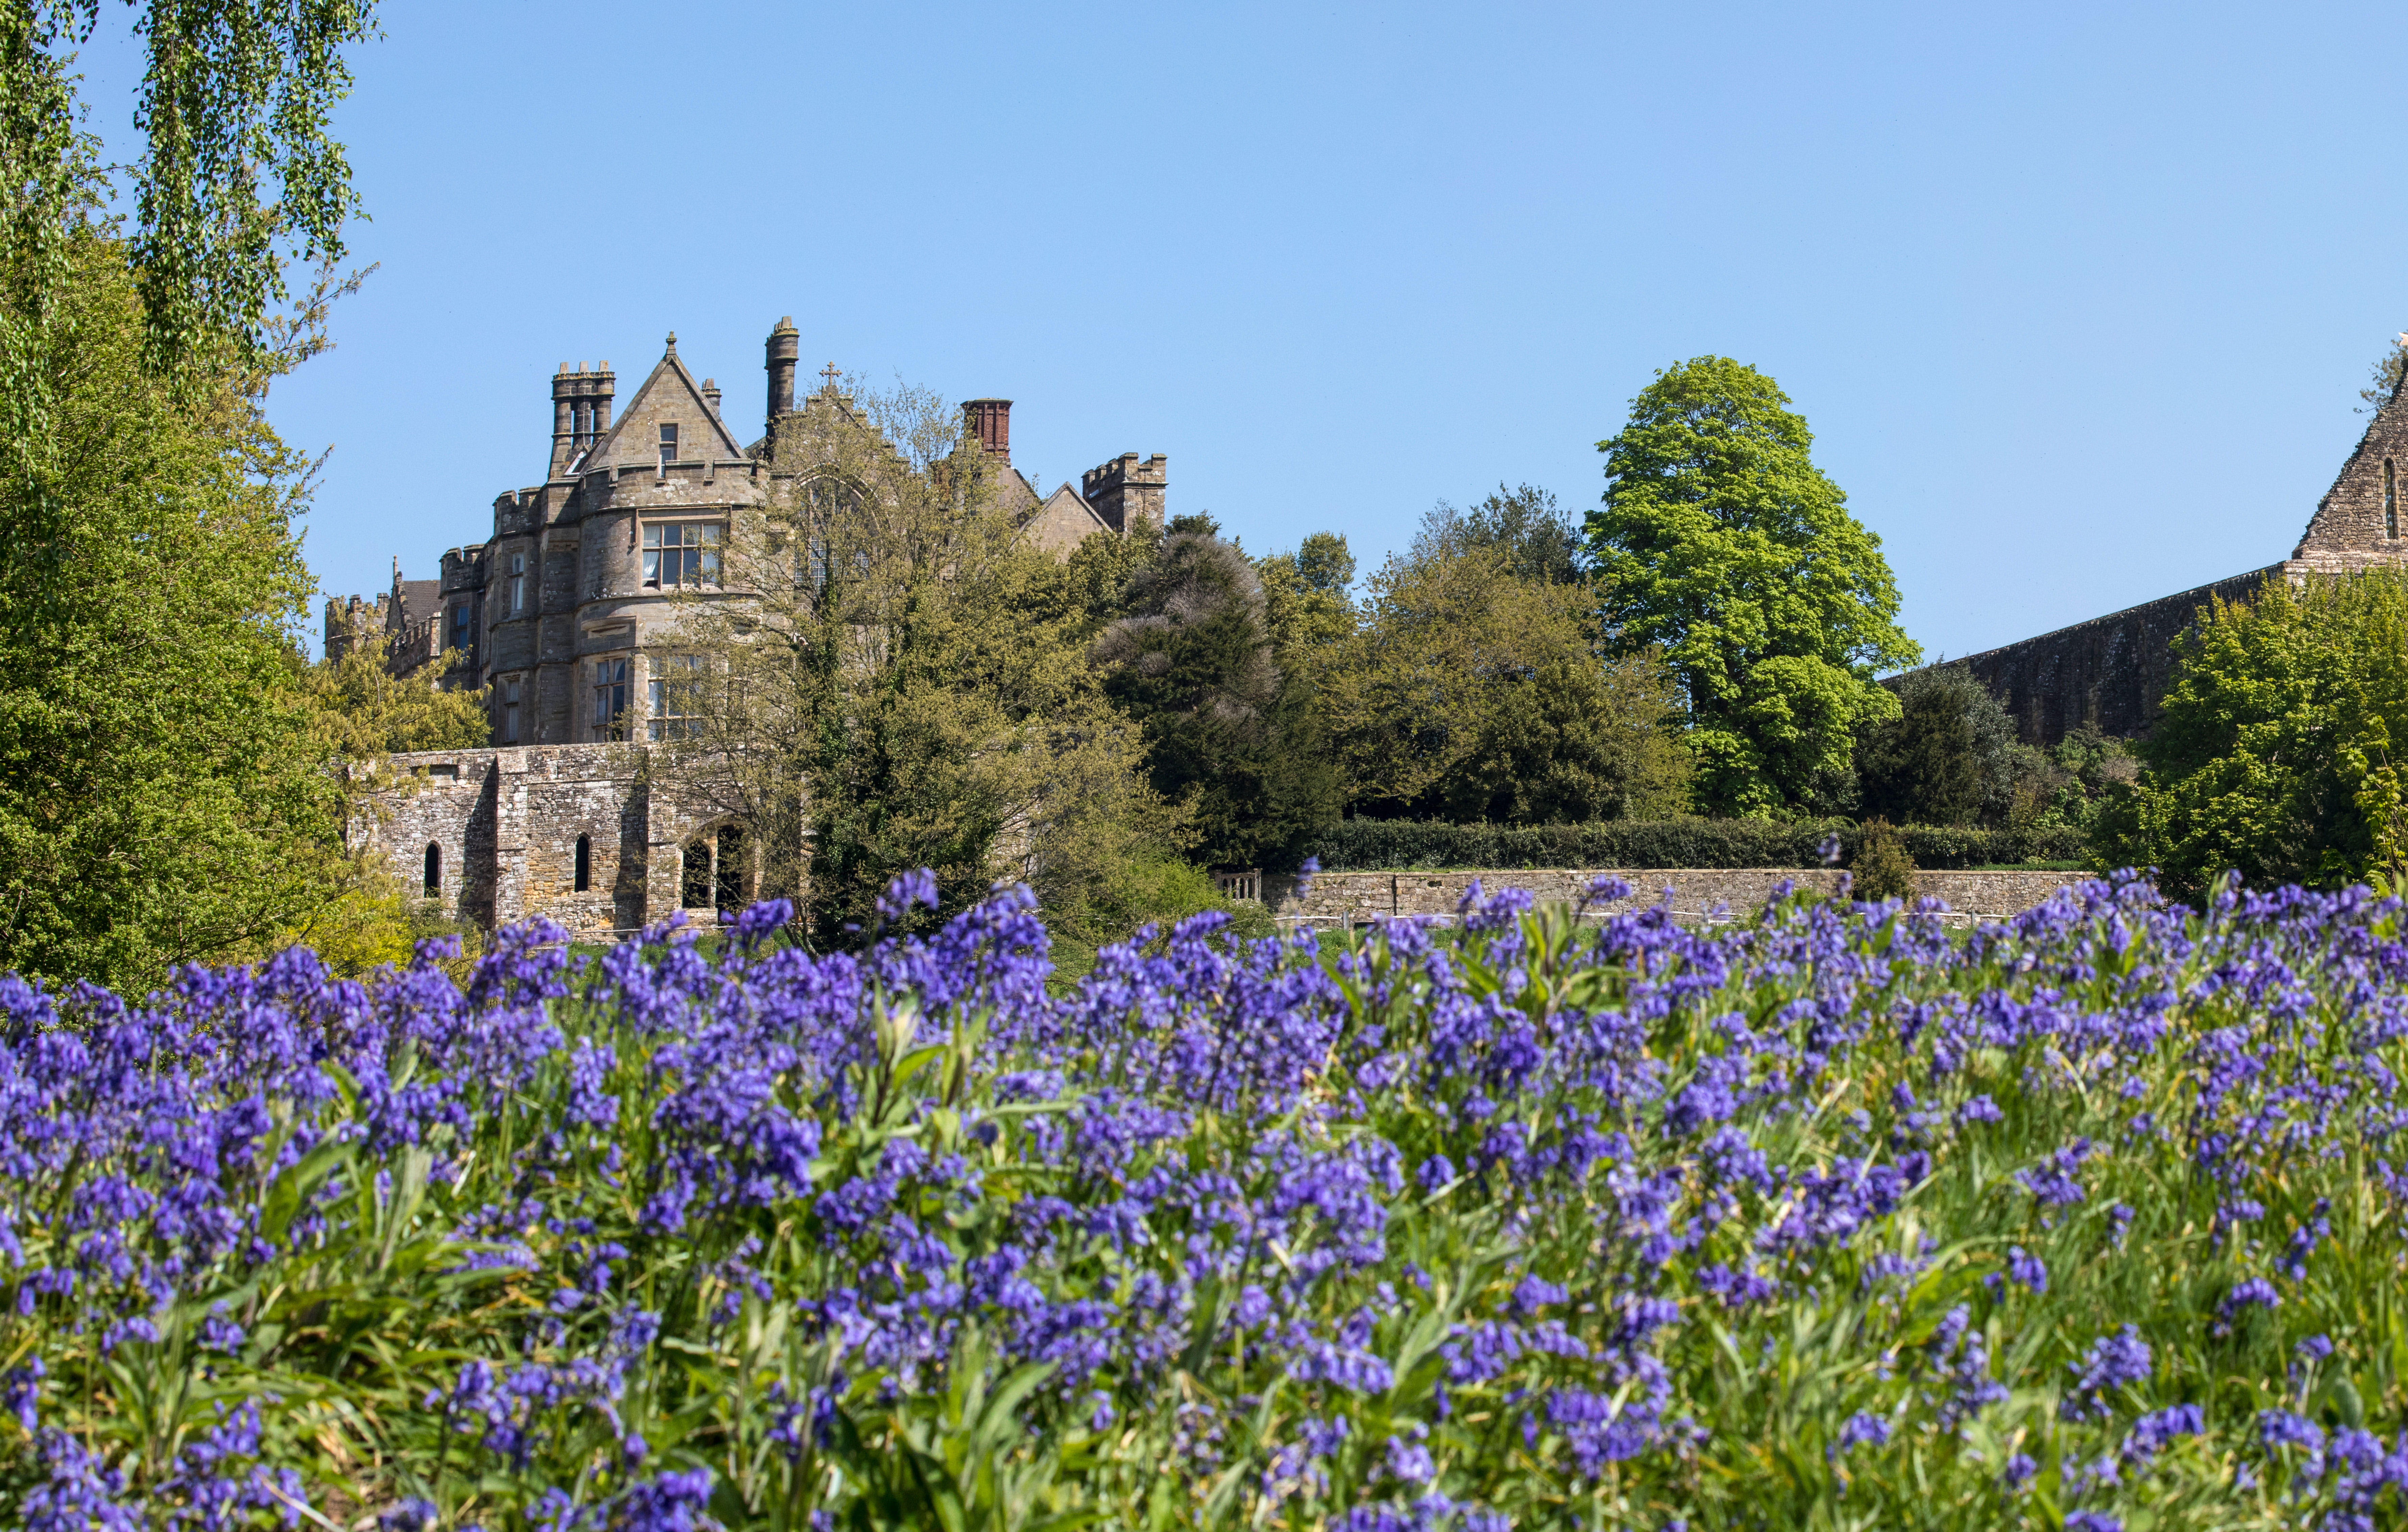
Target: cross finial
[{"x": 828, "y": 372}]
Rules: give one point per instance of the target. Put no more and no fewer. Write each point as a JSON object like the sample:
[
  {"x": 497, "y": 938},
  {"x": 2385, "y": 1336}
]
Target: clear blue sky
[{"x": 2077, "y": 299}]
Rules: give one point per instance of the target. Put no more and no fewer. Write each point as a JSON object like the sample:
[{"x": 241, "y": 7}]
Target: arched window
[
  {"x": 694, "y": 882},
  {"x": 727, "y": 891},
  {"x": 585, "y": 863},
  {"x": 434, "y": 869},
  {"x": 2390, "y": 500}
]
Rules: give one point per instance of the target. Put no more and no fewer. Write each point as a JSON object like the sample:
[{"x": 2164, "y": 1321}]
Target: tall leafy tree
[
  {"x": 1468, "y": 692},
  {"x": 1539, "y": 541},
  {"x": 164, "y": 795},
  {"x": 906, "y": 684},
  {"x": 1305, "y": 598},
  {"x": 1720, "y": 541},
  {"x": 164, "y": 789},
  {"x": 2281, "y": 749},
  {"x": 1228, "y": 733}
]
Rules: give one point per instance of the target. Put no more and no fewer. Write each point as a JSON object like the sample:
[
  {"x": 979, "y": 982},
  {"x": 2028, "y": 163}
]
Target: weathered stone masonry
[
  {"x": 505, "y": 828},
  {"x": 2112, "y": 672},
  {"x": 1338, "y": 900},
  {"x": 564, "y": 614}
]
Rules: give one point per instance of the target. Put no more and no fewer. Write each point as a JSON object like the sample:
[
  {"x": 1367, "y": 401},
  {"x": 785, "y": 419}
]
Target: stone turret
[
  {"x": 1125, "y": 492},
  {"x": 786, "y": 348}
]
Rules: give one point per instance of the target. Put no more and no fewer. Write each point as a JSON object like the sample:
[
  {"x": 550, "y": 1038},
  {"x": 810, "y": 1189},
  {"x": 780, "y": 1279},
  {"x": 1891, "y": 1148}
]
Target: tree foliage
[
  {"x": 238, "y": 175},
  {"x": 1229, "y": 734},
  {"x": 163, "y": 790},
  {"x": 1466, "y": 691},
  {"x": 1720, "y": 541},
  {"x": 2279, "y": 748},
  {"x": 1305, "y": 598},
  {"x": 906, "y": 684},
  {"x": 1535, "y": 537},
  {"x": 362, "y": 711}
]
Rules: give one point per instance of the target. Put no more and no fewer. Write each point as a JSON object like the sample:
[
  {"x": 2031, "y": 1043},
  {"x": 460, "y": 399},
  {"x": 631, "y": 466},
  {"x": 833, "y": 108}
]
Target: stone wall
[
  {"x": 1341, "y": 899},
  {"x": 505, "y": 823},
  {"x": 2111, "y": 671}
]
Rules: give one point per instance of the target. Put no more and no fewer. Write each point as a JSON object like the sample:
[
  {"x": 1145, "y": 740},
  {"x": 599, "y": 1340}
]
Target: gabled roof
[
  {"x": 1066, "y": 501},
  {"x": 684, "y": 395}
]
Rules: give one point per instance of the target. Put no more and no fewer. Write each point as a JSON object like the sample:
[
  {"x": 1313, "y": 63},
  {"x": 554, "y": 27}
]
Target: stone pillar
[{"x": 510, "y": 836}]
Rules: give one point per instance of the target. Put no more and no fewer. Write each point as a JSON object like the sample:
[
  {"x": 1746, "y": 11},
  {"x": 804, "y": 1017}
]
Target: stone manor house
[{"x": 563, "y": 613}]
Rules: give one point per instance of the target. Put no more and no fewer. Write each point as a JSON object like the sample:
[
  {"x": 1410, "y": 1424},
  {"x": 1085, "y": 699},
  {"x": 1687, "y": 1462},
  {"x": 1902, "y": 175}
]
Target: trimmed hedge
[{"x": 1364, "y": 845}]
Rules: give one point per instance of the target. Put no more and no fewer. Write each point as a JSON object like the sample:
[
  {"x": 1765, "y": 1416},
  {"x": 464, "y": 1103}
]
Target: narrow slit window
[
  {"x": 727, "y": 888},
  {"x": 585, "y": 863},
  {"x": 434, "y": 869},
  {"x": 518, "y": 583},
  {"x": 610, "y": 699},
  {"x": 2390, "y": 500},
  {"x": 510, "y": 712},
  {"x": 668, "y": 445}
]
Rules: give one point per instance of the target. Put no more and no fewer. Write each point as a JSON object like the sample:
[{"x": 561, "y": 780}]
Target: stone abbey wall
[
  {"x": 2109, "y": 672},
  {"x": 1337, "y": 900},
  {"x": 2112, "y": 671}
]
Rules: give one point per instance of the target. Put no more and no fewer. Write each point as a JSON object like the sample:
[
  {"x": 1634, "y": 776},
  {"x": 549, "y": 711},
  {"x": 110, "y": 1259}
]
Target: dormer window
[{"x": 668, "y": 445}]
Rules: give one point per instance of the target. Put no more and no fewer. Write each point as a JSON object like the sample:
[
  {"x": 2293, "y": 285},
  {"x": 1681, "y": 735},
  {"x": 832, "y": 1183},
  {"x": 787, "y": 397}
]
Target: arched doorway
[{"x": 693, "y": 879}]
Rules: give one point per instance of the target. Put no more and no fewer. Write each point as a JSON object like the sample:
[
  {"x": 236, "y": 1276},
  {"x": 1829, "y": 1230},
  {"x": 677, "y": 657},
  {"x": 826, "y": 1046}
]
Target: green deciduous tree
[
  {"x": 2279, "y": 750},
  {"x": 363, "y": 710},
  {"x": 905, "y": 684},
  {"x": 1305, "y": 598},
  {"x": 1720, "y": 541},
  {"x": 1468, "y": 692},
  {"x": 164, "y": 789},
  {"x": 1525, "y": 524}
]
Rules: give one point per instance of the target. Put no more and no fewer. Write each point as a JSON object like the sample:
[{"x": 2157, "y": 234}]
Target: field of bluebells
[{"x": 1832, "y": 1219}]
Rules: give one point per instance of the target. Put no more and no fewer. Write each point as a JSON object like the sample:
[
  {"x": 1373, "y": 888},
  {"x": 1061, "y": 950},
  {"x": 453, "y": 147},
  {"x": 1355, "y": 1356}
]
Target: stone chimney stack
[
  {"x": 989, "y": 422},
  {"x": 580, "y": 412},
  {"x": 786, "y": 348},
  {"x": 564, "y": 420},
  {"x": 711, "y": 396}
]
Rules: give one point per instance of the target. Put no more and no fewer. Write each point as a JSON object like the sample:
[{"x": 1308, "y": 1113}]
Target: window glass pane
[
  {"x": 652, "y": 566},
  {"x": 653, "y": 537}
]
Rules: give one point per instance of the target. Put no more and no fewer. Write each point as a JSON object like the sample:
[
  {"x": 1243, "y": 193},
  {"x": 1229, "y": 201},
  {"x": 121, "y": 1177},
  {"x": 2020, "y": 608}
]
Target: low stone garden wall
[{"x": 1341, "y": 899}]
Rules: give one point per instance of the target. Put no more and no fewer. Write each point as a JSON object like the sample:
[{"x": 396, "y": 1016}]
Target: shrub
[
  {"x": 1365, "y": 844},
  {"x": 1882, "y": 866}
]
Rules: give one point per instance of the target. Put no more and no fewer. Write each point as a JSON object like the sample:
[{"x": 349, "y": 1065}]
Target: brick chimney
[
  {"x": 786, "y": 346},
  {"x": 989, "y": 422}
]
